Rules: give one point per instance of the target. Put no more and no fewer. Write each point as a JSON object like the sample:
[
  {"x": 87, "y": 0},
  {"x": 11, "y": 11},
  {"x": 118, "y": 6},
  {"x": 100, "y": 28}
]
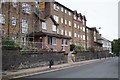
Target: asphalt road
[{"x": 100, "y": 69}]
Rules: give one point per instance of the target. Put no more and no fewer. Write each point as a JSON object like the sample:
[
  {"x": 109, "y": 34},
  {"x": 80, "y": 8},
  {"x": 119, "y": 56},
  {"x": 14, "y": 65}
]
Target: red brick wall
[{"x": 59, "y": 41}]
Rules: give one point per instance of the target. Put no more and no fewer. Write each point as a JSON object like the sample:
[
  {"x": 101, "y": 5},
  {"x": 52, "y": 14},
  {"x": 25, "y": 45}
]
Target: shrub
[
  {"x": 72, "y": 46},
  {"x": 8, "y": 43}
]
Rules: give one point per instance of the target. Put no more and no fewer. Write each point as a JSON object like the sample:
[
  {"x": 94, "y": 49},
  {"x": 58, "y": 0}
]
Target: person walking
[{"x": 51, "y": 62}]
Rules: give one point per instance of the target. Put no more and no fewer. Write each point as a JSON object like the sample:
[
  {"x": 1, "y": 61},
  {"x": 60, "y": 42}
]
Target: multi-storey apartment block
[
  {"x": 79, "y": 29},
  {"x": 46, "y": 26},
  {"x": 93, "y": 38}
]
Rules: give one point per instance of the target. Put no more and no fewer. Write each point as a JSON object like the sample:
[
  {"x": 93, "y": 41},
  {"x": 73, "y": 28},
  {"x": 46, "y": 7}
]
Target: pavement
[{"x": 40, "y": 70}]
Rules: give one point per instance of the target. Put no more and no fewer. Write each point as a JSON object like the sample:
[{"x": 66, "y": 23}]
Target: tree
[{"x": 116, "y": 46}]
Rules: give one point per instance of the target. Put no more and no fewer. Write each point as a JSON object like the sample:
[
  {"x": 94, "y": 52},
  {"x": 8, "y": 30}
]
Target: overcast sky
[{"x": 99, "y": 13}]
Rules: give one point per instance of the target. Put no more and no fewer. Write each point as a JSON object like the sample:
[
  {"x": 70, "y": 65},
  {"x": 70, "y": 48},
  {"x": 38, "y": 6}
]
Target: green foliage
[
  {"x": 72, "y": 46},
  {"x": 116, "y": 46},
  {"x": 76, "y": 48},
  {"x": 8, "y": 43}
]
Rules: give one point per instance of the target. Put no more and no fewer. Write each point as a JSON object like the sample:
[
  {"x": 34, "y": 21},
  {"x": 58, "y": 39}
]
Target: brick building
[
  {"x": 46, "y": 25},
  {"x": 93, "y": 38}
]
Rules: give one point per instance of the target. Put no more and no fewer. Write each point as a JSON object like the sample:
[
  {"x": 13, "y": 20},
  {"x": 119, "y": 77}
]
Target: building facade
[
  {"x": 46, "y": 26},
  {"x": 106, "y": 44},
  {"x": 93, "y": 39}
]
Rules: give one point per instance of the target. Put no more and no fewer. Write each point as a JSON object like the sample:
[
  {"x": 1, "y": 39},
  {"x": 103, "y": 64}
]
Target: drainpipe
[{"x": 8, "y": 18}]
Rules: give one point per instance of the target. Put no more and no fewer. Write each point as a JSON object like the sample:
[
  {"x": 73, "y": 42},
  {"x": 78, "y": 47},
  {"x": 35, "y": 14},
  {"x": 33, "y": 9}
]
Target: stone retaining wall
[
  {"x": 14, "y": 59},
  {"x": 19, "y": 60}
]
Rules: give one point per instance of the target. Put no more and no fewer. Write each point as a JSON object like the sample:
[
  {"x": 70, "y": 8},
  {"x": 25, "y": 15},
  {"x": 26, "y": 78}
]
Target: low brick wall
[{"x": 13, "y": 59}]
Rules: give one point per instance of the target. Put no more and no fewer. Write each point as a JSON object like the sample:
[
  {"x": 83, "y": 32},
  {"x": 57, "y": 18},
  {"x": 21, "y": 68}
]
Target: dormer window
[
  {"x": 14, "y": 3},
  {"x": 56, "y": 7},
  {"x": 79, "y": 19},
  {"x": 62, "y": 9},
  {"x": 26, "y": 8},
  {"x": 70, "y": 13},
  {"x": 74, "y": 16},
  {"x": 65, "y": 11}
]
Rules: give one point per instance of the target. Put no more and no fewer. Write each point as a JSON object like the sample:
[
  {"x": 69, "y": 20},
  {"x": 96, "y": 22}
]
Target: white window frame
[
  {"x": 83, "y": 37},
  {"x": 54, "y": 41},
  {"x": 14, "y": 38},
  {"x": 62, "y": 9},
  {"x": 78, "y": 35},
  {"x": 69, "y": 33},
  {"x": 56, "y": 18},
  {"x": 66, "y": 32},
  {"x": 75, "y": 34},
  {"x": 61, "y": 20},
  {"x": 75, "y": 25},
  {"x": 14, "y": 21},
  {"x": 75, "y": 17},
  {"x": 2, "y": 18},
  {"x": 14, "y": 3},
  {"x": 69, "y": 13},
  {"x": 65, "y": 11},
  {"x": 26, "y": 8},
  {"x": 78, "y": 26},
  {"x": 56, "y": 7},
  {"x": 69, "y": 23},
  {"x": 64, "y": 42},
  {"x": 24, "y": 26},
  {"x": 54, "y": 28},
  {"x": 84, "y": 29},
  {"x": 65, "y": 21},
  {"x": 44, "y": 25}
]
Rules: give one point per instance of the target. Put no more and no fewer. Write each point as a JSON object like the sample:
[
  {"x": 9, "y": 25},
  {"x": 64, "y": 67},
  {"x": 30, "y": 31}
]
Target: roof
[
  {"x": 94, "y": 28},
  {"x": 41, "y": 34},
  {"x": 63, "y": 6},
  {"x": 84, "y": 18},
  {"x": 98, "y": 43},
  {"x": 74, "y": 12},
  {"x": 54, "y": 20}
]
